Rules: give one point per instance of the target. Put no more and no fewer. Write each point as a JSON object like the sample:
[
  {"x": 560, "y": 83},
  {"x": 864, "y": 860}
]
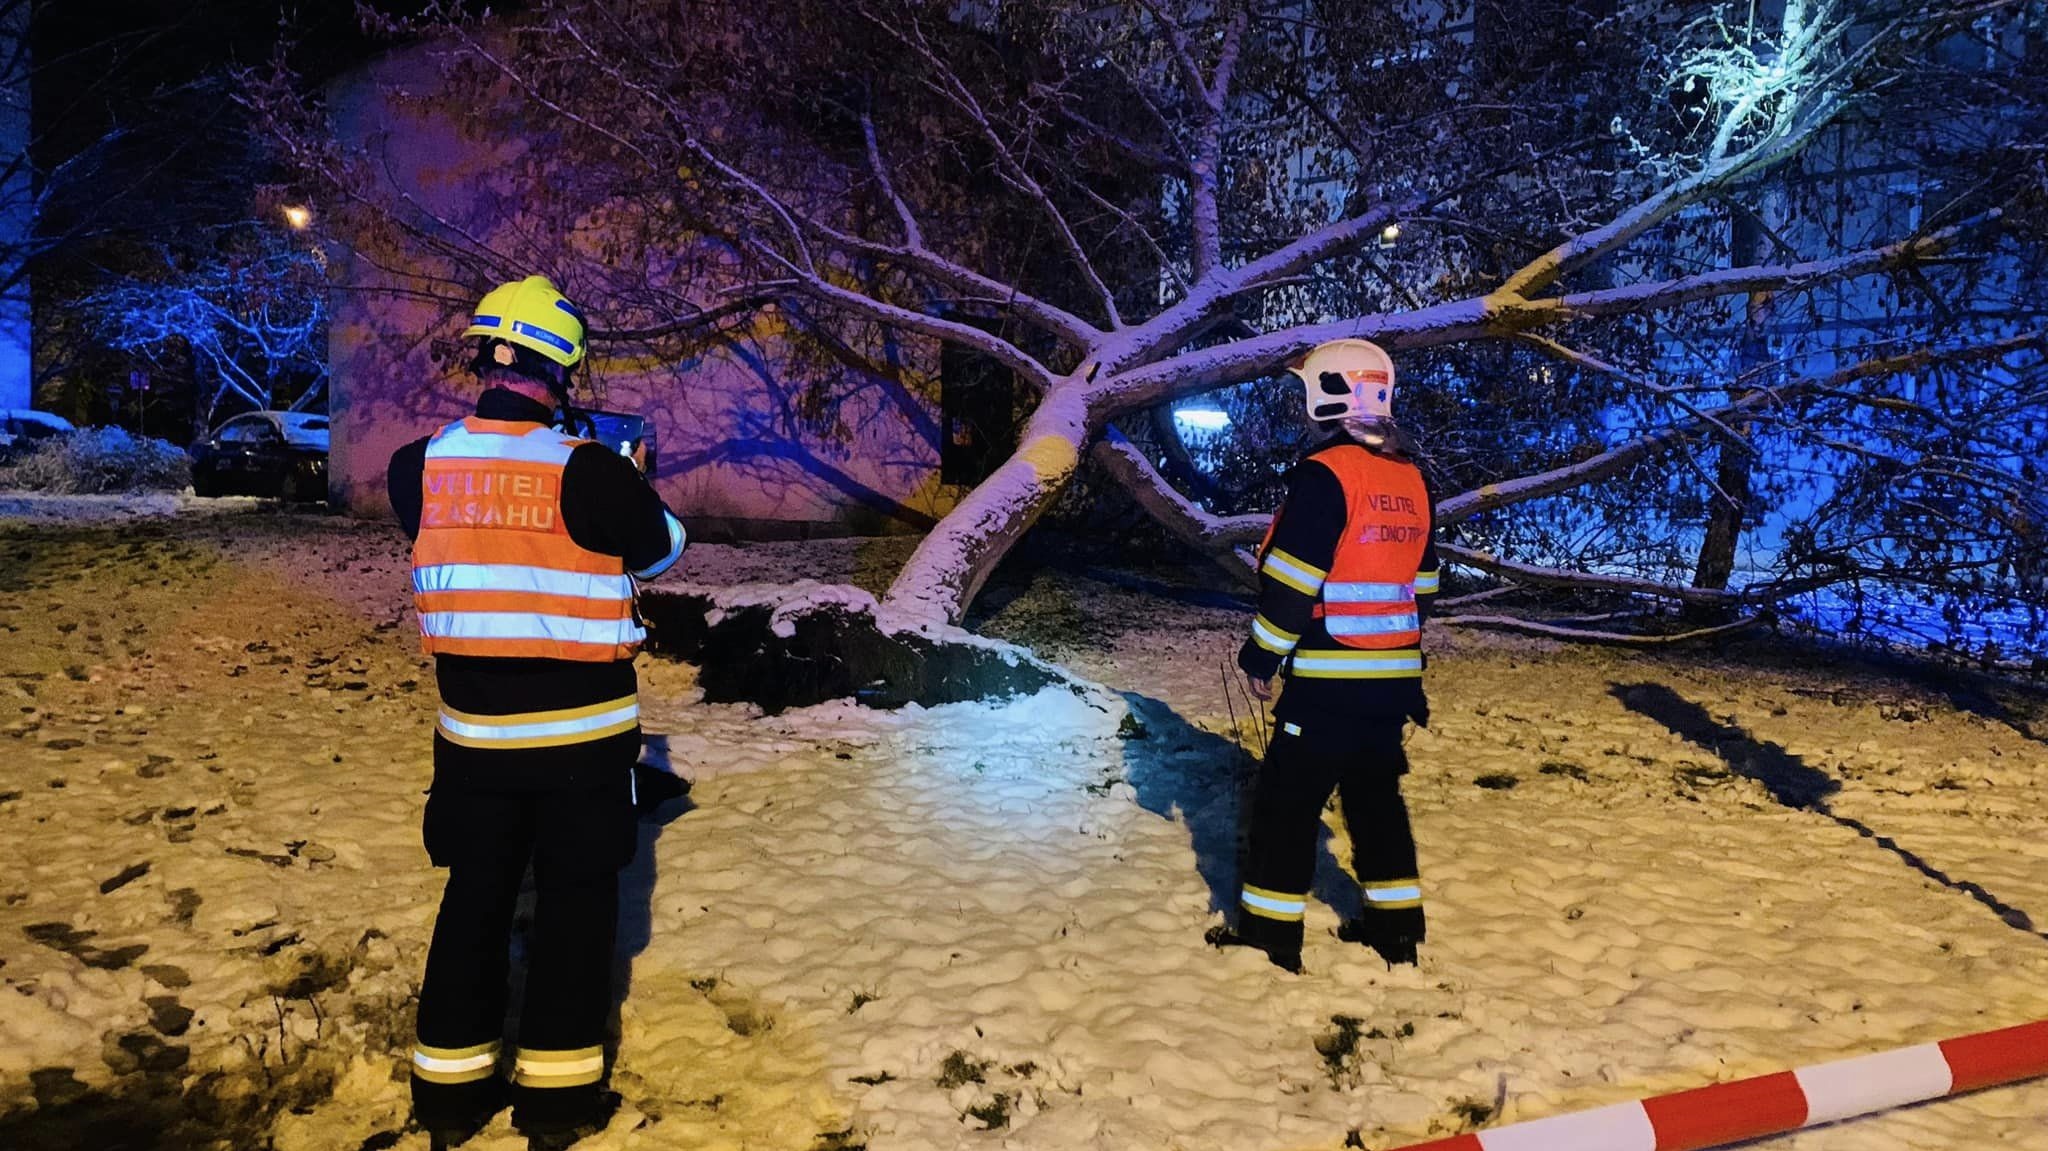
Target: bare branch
[
  {"x": 1622, "y": 456},
  {"x": 1756, "y": 278},
  {"x": 1583, "y": 635},
  {"x": 1537, "y": 576},
  {"x": 1206, "y": 179},
  {"x": 1203, "y": 530},
  {"x": 1013, "y": 169},
  {"x": 825, "y": 291},
  {"x": 1593, "y": 363}
]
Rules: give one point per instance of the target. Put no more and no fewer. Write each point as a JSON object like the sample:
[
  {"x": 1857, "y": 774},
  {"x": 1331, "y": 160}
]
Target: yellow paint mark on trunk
[{"x": 1050, "y": 455}]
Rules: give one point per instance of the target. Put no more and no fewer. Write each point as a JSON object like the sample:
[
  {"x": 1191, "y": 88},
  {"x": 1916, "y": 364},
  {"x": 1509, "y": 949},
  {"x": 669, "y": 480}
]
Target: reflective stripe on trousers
[
  {"x": 1391, "y": 894},
  {"x": 1274, "y": 904},
  {"x": 450, "y": 1065},
  {"x": 533, "y": 1068}
]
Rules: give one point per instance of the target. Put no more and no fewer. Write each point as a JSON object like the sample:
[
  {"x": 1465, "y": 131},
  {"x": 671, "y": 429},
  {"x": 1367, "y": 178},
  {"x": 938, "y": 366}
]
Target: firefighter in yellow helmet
[
  {"x": 528, "y": 547},
  {"x": 1346, "y": 575}
]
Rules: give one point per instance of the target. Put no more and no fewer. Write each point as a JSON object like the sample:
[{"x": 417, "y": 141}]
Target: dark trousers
[
  {"x": 576, "y": 840},
  {"x": 1363, "y": 762}
]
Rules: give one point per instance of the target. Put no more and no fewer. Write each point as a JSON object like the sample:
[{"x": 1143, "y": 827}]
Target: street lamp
[{"x": 298, "y": 216}]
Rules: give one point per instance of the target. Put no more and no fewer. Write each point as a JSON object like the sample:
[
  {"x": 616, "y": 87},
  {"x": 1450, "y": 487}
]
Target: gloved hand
[{"x": 653, "y": 787}]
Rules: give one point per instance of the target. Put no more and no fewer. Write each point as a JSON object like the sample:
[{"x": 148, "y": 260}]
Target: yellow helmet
[{"x": 532, "y": 314}]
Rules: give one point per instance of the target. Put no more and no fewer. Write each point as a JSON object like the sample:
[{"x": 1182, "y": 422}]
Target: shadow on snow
[{"x": 1790, "y": 780}]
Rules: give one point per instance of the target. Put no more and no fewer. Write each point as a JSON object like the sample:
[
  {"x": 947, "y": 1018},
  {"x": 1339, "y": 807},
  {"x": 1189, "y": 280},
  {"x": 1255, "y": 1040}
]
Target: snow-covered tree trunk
[{"x": 949, "y": 568}]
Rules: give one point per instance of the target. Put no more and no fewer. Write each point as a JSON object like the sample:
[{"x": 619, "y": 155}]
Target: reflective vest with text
[
  {"x": 1366, "y": 600},
  {"x": 495, "y": 572}
]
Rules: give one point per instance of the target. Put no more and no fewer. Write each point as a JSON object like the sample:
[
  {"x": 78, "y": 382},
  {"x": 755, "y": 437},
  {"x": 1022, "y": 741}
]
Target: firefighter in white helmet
[
  {"x": 1346, "y": 576},
  {"x": 528, "y": 543}
]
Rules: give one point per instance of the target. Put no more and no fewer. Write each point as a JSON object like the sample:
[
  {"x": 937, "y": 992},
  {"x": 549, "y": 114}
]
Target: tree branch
[
  {"x": 1203, "y": 530},
  {"x": 1582, "y": 635},
  {"x": 1625, "y": 455},
  {"x": 895, "y": 315},
  {"x": 1537, "y": 576}
]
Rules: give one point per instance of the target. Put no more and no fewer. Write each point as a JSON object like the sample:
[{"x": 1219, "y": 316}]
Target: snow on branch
[
  {"x": 1501, "y": 314},
  {"x": 1658, "y": 294},
  {"x": 1787, "y": 87},
  {"x": 1538, "y": 576},
  {"x": 1587, "y": 635}
]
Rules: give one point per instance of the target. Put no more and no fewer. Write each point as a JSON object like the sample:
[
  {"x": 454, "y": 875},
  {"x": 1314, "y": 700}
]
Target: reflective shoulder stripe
[
  {"x": 540, "y": 446},
  {"x": 1305, "y": 578},
  {"x": 1272, "y": 638},
  {"x": 677, "y": 538}
]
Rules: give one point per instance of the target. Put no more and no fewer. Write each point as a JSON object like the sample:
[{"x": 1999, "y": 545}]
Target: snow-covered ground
[{"x": 901, "y": 930}]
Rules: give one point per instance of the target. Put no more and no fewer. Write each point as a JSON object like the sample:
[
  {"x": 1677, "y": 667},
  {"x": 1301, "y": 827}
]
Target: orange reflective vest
[
  {"x": 1368, "y": 599},
  {"x": 494, "y": 572}
]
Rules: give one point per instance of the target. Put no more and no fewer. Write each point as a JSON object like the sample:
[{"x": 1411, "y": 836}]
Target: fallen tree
[{"x": 1155, "y": 158}]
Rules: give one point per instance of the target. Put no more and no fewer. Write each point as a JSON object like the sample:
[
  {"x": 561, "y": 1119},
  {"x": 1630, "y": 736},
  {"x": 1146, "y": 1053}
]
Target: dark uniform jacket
[
  {"x": 607, "y": 507},
  {"x": 1307, "y": 531}
]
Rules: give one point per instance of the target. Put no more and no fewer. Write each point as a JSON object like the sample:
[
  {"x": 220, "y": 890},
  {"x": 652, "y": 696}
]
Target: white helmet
[{"x": 1348, "y": 379}]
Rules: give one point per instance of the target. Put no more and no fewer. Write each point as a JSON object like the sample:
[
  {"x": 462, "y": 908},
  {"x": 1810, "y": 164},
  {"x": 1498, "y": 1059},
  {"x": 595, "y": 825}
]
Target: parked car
[
  {"x": 21, "y": 426},
  {"x": 281, "y": 454},
  {"x": 616, "y": 430}
]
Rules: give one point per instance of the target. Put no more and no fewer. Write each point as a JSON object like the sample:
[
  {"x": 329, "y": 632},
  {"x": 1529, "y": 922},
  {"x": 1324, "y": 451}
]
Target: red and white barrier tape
[{"x": 1772, "y": 1104}]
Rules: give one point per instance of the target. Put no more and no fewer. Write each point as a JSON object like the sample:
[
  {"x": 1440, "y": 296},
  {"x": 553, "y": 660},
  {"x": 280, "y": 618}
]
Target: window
[{"x": 977, "y": 405}]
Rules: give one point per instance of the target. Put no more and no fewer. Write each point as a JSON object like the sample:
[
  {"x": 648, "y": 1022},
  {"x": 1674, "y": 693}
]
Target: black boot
[
  {"x": 1276, "y": 954},
  {"x": 452, "y": 1114},
  {"x": 557, "y": 1117},
  {"x": 1394, "y": 934}
]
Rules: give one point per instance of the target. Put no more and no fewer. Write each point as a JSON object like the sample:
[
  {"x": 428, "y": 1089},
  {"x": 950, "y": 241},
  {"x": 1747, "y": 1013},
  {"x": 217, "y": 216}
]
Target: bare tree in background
[
  {"x": 1131, "y": 204},
  {"x": 251, "y": 319}
]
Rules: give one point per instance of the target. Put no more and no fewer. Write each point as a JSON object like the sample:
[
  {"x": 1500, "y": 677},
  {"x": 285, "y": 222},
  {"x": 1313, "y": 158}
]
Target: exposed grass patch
[
  {"x": 994, "y": 1114},
  {"x": 849, "y": 1139},
  {"x": 1339, "y": 1046},
  {"x": 1561, "y": 767},
  {"x": 1497, "y": 780},
  {"x": 1471, "y": 1112},
  {"x": 959, "y": 1068}
]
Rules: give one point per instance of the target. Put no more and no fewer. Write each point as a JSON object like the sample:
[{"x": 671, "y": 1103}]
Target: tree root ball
[{"x": 804, "y": 645}]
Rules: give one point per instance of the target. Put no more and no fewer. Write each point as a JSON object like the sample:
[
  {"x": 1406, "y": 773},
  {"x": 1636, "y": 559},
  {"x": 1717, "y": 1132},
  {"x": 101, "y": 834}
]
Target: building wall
[
  {"x": 758, "y": 435},
  {"x": 17, "y": 210}
]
